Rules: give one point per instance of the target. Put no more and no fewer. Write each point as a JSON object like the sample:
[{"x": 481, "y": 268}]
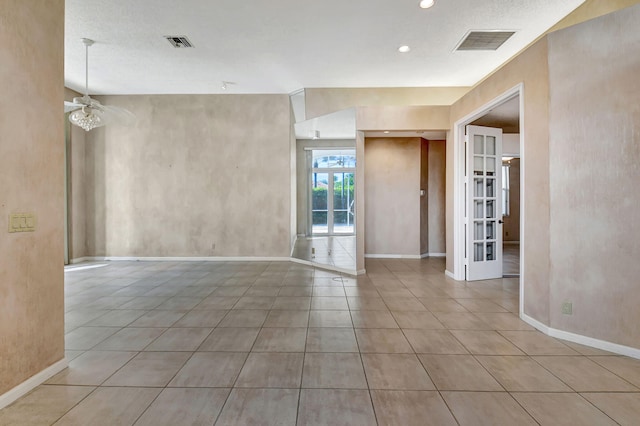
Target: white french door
[{"x": 484, "y": 203}]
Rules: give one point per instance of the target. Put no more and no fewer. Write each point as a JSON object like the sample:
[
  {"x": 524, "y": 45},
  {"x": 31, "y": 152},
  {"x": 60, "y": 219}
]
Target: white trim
[
  {"x": 449, "y": 274},
  {"x": 191, "y": 259},
  {"x": 392, "y": 256},
  {"x": 32, "y": 382},
  {"x": 81, "y": 267},
  {"x": 437, "y": 254},
  {"x": 79, "y": 260},
  {"x": 424, "y": 255},
  {"x": 582, "y": 340},
  {"x": 361, "y": 271}
]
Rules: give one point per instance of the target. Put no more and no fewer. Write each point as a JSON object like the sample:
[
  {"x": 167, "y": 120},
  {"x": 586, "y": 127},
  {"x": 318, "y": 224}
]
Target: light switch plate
[{"x": 22, "y": 222}]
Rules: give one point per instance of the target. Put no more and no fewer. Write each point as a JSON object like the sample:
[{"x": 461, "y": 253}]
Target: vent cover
[
  {"x": 484, "y": 40},
  {"x": 179, "y": 42}
]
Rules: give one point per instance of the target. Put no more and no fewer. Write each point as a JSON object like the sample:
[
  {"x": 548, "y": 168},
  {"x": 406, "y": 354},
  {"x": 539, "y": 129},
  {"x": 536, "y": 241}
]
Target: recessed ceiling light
[
  {"x": 426, "y": 4},
  {"x": 404, "y": 49},
  {"x": 385, "y": 132}
]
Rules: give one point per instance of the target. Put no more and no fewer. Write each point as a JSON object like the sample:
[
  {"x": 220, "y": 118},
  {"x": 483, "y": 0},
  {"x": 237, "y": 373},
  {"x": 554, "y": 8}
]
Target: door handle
[{"x": 501, "y": 221}]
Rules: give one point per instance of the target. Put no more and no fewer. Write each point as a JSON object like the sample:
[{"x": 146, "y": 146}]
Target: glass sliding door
[{"x": 332, "y": 198}]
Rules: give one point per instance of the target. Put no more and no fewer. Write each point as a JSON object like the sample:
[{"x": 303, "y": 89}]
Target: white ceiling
[{"x": 280, "y": 46}]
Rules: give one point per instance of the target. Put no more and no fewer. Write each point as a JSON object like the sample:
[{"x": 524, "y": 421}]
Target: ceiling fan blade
[
  {"x": 118, "y": 115},
  {"x": 71, "y": 106}
]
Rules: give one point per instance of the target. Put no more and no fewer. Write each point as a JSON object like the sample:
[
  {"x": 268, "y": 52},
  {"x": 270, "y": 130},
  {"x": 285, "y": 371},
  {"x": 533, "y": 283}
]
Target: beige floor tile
[
  {"x": 329, "y": 303},
  {"x": 287, "y": 319},
  {"x": 71, "y": 355},
  {"x": 84, "y": 338},
  {"x": 403, "y": 304},
  {"x": 625, "y": 367},
  {"x": 292, "y": 302},
  {"x": 230, "y": 340},
  {"x": 210, "y": 369},
  {"x": 179, "y": 339},
  {"x": 44, "y": 405},
  {"x": 373, "y": 319},
  {"x": 331, "y": 340},
  {"x": 503, "y": 321},
  {"x": 536, "y": 343},
  {"x": 366, "y": 304},
  {"x": 586, "y": 350},
  {"x": 522, "y": 374},
  {"x": 263, "y": 291},
  {"x": 281, "y": 340},
  {"x": 149, "y": 369},
  {"x": 462, "y": 293},
  {"x": 396, "y": 372},
  {"x": 480, "y": 305},
  {"x": 486, "y": 343},
  {"x": 584, "y": 375},
  {"x": 330, "y": 319},
  {"x": 201, "y": 318},
  {"x": 428, "y": 292},
  {"x": 372, "y": 340},
  {"x": 624, "y": 408},
  {"x": 362, "y": 291},
  {"x": 144, "y": 302},
  {"x": 181, "y": 302},
  {"x": 335, "y": 407},
  {"x": 295, "y": 291},
  {"x": 185, "y": 406},
  {"x": 117, "y": 318},
  {"x": 411, "y": 408},
  {"x": 434, "y": 342},
  {"x": 459, "y": 372},
  {"x": 461, "y": 321},
  {"x": 92, "y": 368},
  {"x": 157, "y": 318},
  {"x": 419, "y": 320},
  {"x": 130, "y": 339},
  {"x": 254, "y": 302},
  {"x": 244, "y": 318},
  {"x": 442, "y": 305},
  {"x": 260, "y": 407},
  {"x": 486, "y": 408},
  {"x": 334, "y": 371},
  {"x": 218, "y": 302},
  {"x": 562, "y": 409},
  {"x": 271, "y": 370},
  {"x": 328, "y": 292},
  {"x": 398, "y": 292},
  {"x": 110, "y": 406}
]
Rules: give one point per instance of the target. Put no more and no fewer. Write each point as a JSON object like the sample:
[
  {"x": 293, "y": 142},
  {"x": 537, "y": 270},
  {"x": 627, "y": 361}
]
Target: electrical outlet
[
  {"x": 567, "y": 308},
  {"x": 22, "y": 222}
]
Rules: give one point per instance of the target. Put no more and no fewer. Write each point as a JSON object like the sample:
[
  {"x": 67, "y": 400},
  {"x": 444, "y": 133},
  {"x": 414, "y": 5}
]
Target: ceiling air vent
[
  {"x": 484, "y": 40},
  {"x": 179, "y": 42}
]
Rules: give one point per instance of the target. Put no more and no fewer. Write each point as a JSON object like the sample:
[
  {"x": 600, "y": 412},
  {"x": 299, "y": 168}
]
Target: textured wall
[
  {"x": 31, "y": 180},
  {"x": 392, "y": 196},
  {"x": 594, "y": 166},
  {"x": 424, "y": 199},
  {"x": 198, "y": 175},
  {"x": 437, "y": 196}
]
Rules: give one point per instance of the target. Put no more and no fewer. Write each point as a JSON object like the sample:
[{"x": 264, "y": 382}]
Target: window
[{"x": 505, "y": 189}]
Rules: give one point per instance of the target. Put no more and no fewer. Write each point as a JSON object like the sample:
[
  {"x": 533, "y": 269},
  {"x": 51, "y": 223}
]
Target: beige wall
[
  {"x": 198, "y": 175},
  {"x": 530, "y": 68},
  {"x": 392, "y": 196},
  {"x": 321, "y": 101},
  {"x": 302, "y": 167},
  {"x": 437, "y": 196},
  {"x": 31, "y": 180},
  {"x": 424, "y": 199},
  {"x": 594, "y": 156},
  {"x": 403, "y": 118}
]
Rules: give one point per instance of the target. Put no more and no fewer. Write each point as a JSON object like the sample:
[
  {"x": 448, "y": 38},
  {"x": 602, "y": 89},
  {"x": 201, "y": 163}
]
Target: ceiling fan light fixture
[
  {"x": 426, "y": 4},
  {"x": 86, "y": 118},
  {"x": 404, "y": 49}
]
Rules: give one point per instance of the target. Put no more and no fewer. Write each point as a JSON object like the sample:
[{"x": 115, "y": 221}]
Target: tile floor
[
  {"x": 281, "y": 343},
  {"x": 336, "y": 251}
]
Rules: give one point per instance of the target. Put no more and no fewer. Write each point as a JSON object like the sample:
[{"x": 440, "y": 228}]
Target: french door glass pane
[
  {"x": 343, "y": 202},
  {"x": 319, "y": 203}
]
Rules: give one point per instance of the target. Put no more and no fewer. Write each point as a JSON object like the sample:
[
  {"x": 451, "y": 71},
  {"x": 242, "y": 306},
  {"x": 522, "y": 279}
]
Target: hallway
[{"x": 155, "y": 343}]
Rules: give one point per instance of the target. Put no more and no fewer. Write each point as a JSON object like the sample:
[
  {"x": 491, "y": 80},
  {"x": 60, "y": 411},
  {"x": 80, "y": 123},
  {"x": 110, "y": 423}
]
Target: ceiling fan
[{"x": 87, "y": 112}]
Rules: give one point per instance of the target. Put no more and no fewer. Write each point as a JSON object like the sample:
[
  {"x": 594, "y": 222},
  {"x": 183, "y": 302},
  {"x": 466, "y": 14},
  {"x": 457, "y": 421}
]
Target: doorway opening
[{"x": 504, "y": 113}]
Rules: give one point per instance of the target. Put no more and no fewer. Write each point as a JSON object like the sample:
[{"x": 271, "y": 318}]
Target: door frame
[{"x": 459, "y": 193}]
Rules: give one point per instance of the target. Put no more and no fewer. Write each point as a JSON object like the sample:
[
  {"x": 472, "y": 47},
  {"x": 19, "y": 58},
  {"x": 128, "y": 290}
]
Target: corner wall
[
  {"x": 31, "y": 181},
  {"x": 198, "y": 175}
]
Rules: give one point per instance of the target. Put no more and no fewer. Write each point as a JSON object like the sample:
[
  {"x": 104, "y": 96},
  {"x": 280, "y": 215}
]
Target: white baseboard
[
  {"x": 189, "y": 259},
  {"x": 31, "y": 383},
  {"x": 80, "y": 267},
  {"x": 449, "y": 274},
  {"x": 361, "y": 272},
  {"x": 437, "y": 254},
  {"x": 80, "y": 260},
  {"x": 392, "y": 256},
  {"x": 582, "y": 340}
]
